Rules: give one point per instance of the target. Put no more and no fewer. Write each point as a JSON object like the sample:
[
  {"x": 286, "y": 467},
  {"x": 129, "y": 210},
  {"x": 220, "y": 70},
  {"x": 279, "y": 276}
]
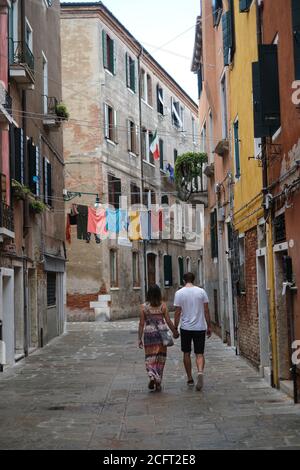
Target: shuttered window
[
  {"x": 33, "y": 168},
  {"x": 236, "y": 137},
  {"x": 130, "y": 72},
  {"x": 135, "y": 194},
  {"x": 51, "y": 289},
  {"x": 160, "y": 99},
  {"x": 214, "y": 234},
  {"x": 16, "y": 138},
  {"x": 296, "y": 34},
  {"x": 217, "y": 8},
  {"x": 161, "y": 150},
  {"x": 180, "y": 271},
  {"x": 110, "y": 123},
  {"x": 109, "y": 57},
  {"x": 114, "y": 191},
  {"x": 168, "y": 275},
  {"x": 228, "y": 34},
  {"x": 47, "y": 179},
  {"x": 245, "y": 5},
  {"x": 132, "y": 130},
  {"x": 266, "y": 96}
]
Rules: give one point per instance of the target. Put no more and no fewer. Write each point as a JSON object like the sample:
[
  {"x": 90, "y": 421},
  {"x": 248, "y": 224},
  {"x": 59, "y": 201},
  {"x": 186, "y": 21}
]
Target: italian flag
[{"x": 154, "y": 147}]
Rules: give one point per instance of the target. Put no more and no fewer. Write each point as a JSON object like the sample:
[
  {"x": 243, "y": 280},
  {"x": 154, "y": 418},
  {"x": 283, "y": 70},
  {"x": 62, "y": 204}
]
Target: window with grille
[
  {"x": 51, "y": 289},
  {"x": 113, "y": 255},
  {"x": 114, "y": 191},
  {"x": 136, "y": 269}
]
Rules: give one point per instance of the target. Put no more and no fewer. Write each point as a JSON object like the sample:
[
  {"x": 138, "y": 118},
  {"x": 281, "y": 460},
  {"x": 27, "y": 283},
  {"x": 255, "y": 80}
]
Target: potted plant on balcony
[
  {"x": 36, "y": 206},
  {"x": 61, "y": 111},
  {"x": 20, "y": 191}
]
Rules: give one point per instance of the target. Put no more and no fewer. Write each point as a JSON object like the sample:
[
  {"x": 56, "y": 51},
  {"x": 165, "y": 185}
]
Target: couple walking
[{"x": 191, "y": 308}]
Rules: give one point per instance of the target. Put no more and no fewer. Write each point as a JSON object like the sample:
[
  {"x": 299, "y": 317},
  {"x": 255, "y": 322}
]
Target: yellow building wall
[{"x": 247, "y": 189}]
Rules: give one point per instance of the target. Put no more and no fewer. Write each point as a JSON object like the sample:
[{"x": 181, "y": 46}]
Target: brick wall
[{"x": 248, "y": 321}]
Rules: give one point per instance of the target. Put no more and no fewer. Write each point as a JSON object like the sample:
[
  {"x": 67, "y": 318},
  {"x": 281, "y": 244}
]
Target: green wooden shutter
[
  {"x": 260, "y": 130},
  {"x": 168, "y": 275},
  {"x": 181, "y": 271},
  {"x": 237, "y": 149},
  {"x": 227, "y": 37},
  {"x": 161, "y": 150},
  {"x": 245, "y": 5},
  {"x": 269, "y": 79},
  {"x": 214, "y": 234},
  {"x": 113, "y": 56},
  {"x": 49, "y": 181},
  {"x": 31, "y": 166},
  {"x": 127, "y": 69},
  {"x": 104, "y": 48},
  {"x": 133, "y": 76},
  {"x": 296, "y": 34}
]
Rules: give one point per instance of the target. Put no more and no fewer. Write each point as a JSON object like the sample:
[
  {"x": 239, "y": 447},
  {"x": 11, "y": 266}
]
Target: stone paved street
[{"x": 88, "y": 390}]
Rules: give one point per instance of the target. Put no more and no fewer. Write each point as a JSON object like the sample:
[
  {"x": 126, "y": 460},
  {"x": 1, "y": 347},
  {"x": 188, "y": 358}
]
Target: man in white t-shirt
[{"x": 191, "y": 304}]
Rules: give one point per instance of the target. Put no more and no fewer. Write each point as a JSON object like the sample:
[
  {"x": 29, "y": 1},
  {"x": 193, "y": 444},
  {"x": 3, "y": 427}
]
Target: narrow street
[{"x": 88, "y": 390}]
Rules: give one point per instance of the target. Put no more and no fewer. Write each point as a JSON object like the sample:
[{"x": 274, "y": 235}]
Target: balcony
[
  {"x": 21, "y": 67},
  {"x": 55, "y": 113},
  {"x": 6, "y": 222},
  {"x": 5, "y": 106}
]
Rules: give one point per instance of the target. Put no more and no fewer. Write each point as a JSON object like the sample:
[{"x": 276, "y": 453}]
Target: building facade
[
  {"x": 212, "y": 72},
  {"x": 32, "y": 248},
  {"x": 120, "y": 96}
]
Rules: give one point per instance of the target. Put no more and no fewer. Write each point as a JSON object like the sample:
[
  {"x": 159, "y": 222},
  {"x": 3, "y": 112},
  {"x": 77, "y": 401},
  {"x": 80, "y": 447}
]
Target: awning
[{"x": 54, "y": 264}]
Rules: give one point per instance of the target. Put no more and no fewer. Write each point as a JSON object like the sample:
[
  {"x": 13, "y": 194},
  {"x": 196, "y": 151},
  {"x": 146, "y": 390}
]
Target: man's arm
[
  {"x": 207, "y": 318},
  {"x": 177, "y": 317}
]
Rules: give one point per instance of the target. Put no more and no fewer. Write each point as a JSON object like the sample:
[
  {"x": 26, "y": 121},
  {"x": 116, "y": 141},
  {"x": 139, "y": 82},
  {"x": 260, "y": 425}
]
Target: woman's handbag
[{"x": 166, "y": 337}]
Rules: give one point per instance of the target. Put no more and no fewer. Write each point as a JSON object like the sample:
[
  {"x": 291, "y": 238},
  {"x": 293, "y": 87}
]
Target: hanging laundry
[
  {"x": 134, "y": 230},
  {"x": 82, "y": 222},
  {"x": 112, "y": 221},
  {"x": 68, "y": 229},
  {"x": 97, "y": 221},
  {"x": 155, "y": 224},
  {"x": 171, "y": 172},
  {"x": 145, "y": 219},
  {"x": 74, "y": 210},
  {"x": 73, "y": 219}
]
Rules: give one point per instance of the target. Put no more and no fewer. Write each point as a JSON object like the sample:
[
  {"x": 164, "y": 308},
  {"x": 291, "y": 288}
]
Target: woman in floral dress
[{"x": 154, "y": 313}]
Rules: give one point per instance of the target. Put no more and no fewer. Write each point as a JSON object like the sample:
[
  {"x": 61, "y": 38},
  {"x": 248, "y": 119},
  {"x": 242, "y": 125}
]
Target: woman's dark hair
[{"x": 154, "y": 296}]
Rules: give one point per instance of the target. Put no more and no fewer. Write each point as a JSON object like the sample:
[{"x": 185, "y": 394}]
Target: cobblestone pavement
[{"x": 88, "y": 390}]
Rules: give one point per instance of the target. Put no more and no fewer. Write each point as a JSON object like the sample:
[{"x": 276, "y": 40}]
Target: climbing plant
[{"x": 188, "y": 167}]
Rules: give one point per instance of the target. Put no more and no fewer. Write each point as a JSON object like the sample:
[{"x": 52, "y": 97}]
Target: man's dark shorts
[{"x": 197, "y": 337}]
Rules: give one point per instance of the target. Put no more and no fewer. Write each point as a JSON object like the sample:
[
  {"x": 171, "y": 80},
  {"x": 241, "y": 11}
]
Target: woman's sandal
[{"x": 151, "y": 385}]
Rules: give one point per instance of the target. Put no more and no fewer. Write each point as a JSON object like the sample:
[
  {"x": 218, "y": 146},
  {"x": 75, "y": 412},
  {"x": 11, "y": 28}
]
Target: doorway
[
  {"x": 263, "y": 313},
  {"x": 7, "y": 315}
]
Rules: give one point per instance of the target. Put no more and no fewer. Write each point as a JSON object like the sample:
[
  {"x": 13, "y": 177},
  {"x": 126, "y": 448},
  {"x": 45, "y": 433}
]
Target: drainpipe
[
  {"x": 142, "y": 170},
  {"x": 268, "y": 215}
]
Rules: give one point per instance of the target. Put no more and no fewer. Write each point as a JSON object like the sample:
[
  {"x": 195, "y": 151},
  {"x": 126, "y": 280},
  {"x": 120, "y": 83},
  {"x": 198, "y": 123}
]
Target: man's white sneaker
[{"x": 199, "y": 385}]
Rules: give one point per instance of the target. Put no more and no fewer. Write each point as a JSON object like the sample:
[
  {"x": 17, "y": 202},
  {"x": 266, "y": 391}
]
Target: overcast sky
[{"x": 156, "y": 22}]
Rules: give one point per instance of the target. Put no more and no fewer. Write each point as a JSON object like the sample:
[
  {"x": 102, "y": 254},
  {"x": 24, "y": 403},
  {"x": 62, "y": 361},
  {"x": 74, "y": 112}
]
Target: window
[
  {"x": 242, "y": 286},
  {"x": 136, "y": 269},
  {"x": 113, "y": 262},
  {"x": 109, "y": 58},
  {"x": 151, "y": 156},
  {"x": 160, "y": 100},
  {"x": 130, "y": 73},
  {"x": 217, "y": 8},
  {"x": 168, "y": 275},
  {"x": 237, "y": 149},
  {"x": 200, "y": 272},
  {"x": 33, "y": 168},
  {"x": 161, "y": 158},
  {"x": 16, "y": 148},
  {"x": 180, "y": 271},
  {"x": 144, "y": 143},
  {"x": 279, "y": 229},
  {"x": 47, "y": 179},
  {"x": 188, "y": 265},
  {"x": 296, "y": 34},
  {"x": 149, "y": 90},
  {"x": 200, "y": 81},
  {"x": 224, "y": 107},
  {"x": 135, "y": 194},
  {"x": 214, "y": 234},
  {"x": 245, "y": 5},
  {"x": 211, "y": 137},
  {"x": 28, "y": 35},
  {"x": 132, "y": 137},
  {"x": 149, "y": 198},
  {"x": 175, "y": 156},
  {"x": 203, "y": 138},
  {"x": 177, "y": 114},
  {"x": 51, "y": 289},
  {"x": 110, "y": 123},
  {"x": 114, "y": 191},
  {"x": 45, "y": 83}
]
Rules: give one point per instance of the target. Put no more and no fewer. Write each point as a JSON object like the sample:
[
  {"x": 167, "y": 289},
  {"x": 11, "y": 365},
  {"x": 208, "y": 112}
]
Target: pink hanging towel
[{"x": 97, "y": 221}]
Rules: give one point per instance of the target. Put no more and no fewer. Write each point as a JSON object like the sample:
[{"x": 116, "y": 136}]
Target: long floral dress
[{"x": 155, "y": 351}]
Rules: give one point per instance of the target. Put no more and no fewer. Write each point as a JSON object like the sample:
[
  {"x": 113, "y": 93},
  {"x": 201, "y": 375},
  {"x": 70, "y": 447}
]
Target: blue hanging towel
[{"x": 112, "y": 221}]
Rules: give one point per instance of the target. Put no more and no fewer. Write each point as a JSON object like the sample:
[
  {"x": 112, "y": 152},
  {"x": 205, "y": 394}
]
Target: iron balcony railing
[
  {"x": 5, "y": 99},
  {"x": 20, "y": 53},
  {"x": 6, "y": 217}
]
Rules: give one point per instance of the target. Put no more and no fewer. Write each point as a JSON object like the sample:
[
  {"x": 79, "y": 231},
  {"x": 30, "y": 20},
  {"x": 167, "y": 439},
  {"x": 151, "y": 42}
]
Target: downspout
[
  {"x": 142, "y": 170},
  {"x": 268, "y": 215}
]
